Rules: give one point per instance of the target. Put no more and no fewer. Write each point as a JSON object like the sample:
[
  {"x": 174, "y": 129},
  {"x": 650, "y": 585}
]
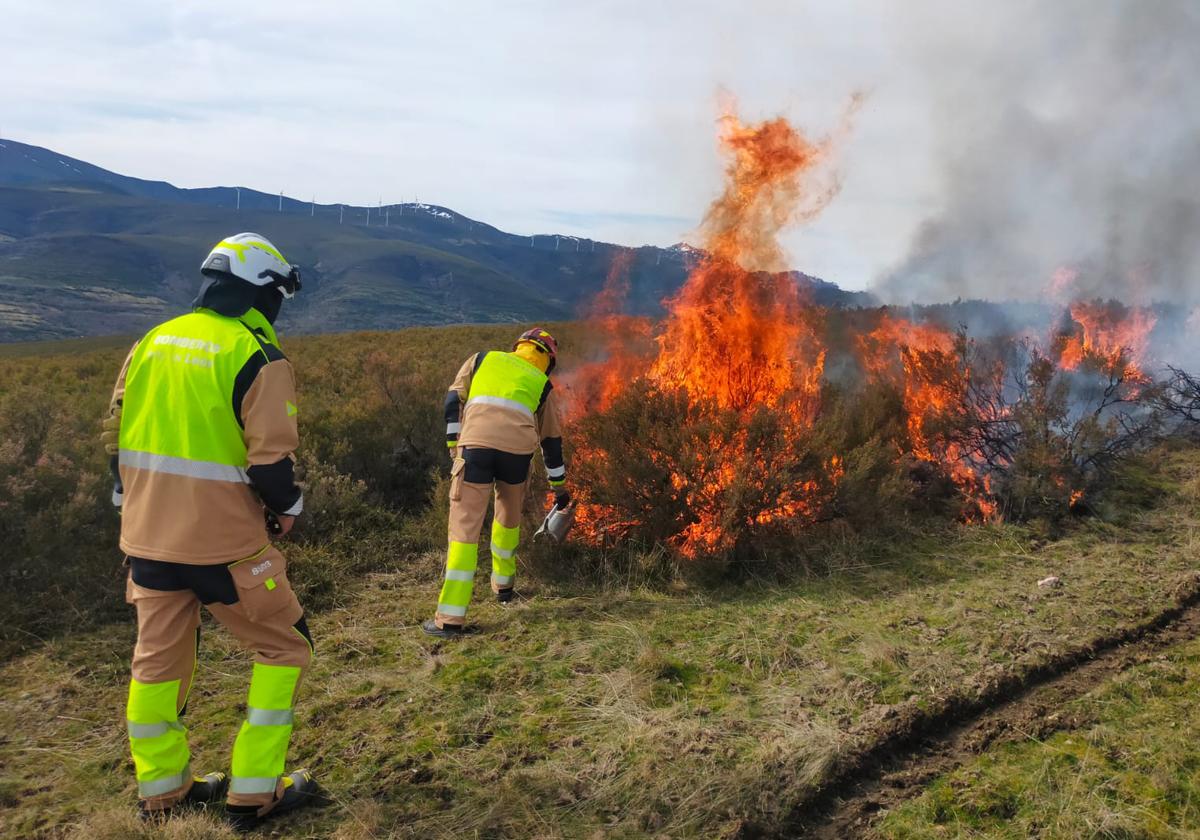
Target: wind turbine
[
  {"x": 239, "y": 198},
  {"x": 281, "y": 201}
]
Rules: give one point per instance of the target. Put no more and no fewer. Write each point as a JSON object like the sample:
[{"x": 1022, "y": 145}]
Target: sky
[{"x": 596, "y": 119}]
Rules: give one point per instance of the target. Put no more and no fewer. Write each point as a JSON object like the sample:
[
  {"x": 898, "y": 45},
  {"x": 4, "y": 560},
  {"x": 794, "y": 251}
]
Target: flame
[
  {"x": 922, "y": 360},
  {"x": 737, "y": 337},
  {"x": 738, "y": 333},
  {"x": 595, "y": 385},
  {"x": 1116, "y": 339}
]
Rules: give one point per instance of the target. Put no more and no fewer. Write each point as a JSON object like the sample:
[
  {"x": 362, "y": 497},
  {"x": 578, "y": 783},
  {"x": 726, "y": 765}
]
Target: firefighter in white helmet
[{"x": 202, "y": 426}]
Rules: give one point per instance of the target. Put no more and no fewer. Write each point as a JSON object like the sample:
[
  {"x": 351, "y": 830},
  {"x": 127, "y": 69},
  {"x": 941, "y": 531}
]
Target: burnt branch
[{"x": 1181, "y": 396}]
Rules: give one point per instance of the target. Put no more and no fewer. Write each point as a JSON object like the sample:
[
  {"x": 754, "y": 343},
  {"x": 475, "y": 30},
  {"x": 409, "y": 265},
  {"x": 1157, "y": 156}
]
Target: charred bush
[
  {"x": 1180, "y": 401},
  {"x": 1047, "y": 438}
]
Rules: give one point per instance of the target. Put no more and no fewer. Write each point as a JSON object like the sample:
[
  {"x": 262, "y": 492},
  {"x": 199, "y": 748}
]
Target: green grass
[
  {"x": 580, "y": 712},
  {"x": 1132, "y": 770},
  {"x": 686, "y": 709}
]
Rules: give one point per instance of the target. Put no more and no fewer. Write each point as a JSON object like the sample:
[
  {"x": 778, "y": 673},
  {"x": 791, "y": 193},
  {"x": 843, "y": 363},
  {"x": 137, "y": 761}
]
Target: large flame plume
[{"x": 738, "y": 336}]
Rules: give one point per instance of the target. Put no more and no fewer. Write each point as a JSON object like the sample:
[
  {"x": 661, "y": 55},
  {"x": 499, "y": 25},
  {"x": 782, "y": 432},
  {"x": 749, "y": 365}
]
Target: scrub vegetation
[{"x": 628, "y": 692}]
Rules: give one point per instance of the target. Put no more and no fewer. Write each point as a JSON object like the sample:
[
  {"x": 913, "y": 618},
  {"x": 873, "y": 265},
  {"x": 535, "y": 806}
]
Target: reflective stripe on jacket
[
  {"x": 207, "y": 432},
  {"x": 513, "y": 409},
  {"x": 503, "y": 394}
]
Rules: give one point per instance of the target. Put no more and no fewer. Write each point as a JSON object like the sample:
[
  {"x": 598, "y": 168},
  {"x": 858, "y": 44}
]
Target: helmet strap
[
  {"x": 268, "y": 301},
  {"x": 226, "y": 295}
]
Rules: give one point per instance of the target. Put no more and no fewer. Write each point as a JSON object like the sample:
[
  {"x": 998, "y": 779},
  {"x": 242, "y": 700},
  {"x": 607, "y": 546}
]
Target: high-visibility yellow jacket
[
  {"x": 208, "y": 429},
  {"x": 500, "y": 401}
]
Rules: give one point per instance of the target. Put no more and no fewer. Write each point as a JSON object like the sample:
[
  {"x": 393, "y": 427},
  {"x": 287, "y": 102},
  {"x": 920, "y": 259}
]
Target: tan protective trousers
[
  {"x": 265, "y": 620},
  {"x": 468, "y": 509}
]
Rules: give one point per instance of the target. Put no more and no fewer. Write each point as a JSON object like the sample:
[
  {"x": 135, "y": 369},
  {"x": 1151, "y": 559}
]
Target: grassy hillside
[
  {"x": 626, "y": 713},
  {"x": 647, "y": 704}
]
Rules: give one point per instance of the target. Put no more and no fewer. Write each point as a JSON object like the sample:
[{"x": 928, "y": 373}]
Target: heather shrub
[
  {"x": 672, "y": 487},
  {"x": 380, "y": 424},
  {"x": 731, "y": 490},
  {"x": 57, "y": 524}
]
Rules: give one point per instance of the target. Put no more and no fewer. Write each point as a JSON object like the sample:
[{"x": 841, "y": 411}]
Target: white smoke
[{"x": 1070, "y": 136}]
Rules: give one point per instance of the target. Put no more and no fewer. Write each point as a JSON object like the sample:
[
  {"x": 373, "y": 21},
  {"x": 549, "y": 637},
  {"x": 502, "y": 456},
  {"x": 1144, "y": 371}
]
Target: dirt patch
[{"x": 902, "y": 748}]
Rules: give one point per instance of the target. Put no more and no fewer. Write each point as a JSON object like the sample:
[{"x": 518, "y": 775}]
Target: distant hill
[{"x": 88, "y": 252}]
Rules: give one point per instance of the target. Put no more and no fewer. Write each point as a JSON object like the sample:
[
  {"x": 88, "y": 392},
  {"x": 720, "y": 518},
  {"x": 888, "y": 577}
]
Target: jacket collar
[{"x": 257, "y": 322}]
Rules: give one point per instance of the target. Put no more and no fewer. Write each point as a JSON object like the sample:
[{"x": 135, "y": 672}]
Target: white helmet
[{"x": 253, "y": 259}]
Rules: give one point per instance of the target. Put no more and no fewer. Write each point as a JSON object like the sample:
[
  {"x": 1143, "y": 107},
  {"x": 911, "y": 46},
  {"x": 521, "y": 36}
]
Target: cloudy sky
[{"x": 590, "y": 118}]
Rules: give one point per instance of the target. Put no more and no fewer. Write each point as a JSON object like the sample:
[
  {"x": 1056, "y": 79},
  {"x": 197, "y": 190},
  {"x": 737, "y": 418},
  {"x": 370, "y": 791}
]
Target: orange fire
[
  {"x": 1115, "y": 338},
  {"x": 737, "y": 337},
  {"x": 593, "y": 386},
  {"x": 923, "y": 361},
  {"x": 738, "y": 333}
]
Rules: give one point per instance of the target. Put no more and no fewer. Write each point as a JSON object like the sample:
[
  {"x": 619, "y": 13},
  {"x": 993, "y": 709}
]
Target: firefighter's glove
[
  {"x": 562, "y": 498},
  {"x": 110, "y": 433}
]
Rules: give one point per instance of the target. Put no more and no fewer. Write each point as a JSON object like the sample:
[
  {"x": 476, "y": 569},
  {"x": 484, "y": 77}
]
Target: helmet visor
[{"x": 287, "y": 284}]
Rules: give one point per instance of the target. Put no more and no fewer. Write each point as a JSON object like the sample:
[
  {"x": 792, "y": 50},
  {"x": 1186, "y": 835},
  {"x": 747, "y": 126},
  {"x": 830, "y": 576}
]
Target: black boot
[
  {"x": 449, "y": 631},
  {"x": 505, "y": 596},
  {"x": 204, "y": 792},
  {"x": 299, "y": 789}
]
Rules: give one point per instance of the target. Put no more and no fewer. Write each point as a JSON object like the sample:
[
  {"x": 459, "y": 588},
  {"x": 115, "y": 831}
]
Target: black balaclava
[
  {"x": 267, "y": 301},
  {"x": 227, "y": 295}
]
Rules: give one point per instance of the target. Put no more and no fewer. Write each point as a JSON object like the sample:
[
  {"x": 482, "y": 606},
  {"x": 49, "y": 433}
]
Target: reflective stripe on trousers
[
  {"x": 461, "y": 561},
  {"x": 261, "y": 747},
  {"x": 157, "y": 740},
  {"x": 504, "y": 554}
]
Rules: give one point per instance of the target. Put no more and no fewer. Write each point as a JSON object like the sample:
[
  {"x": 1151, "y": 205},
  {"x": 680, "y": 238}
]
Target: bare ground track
[{"x": 894, "y": 760}]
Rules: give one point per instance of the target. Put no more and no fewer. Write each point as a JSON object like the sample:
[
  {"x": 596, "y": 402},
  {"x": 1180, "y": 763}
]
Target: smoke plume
[{"x": 1068, "y": 136}]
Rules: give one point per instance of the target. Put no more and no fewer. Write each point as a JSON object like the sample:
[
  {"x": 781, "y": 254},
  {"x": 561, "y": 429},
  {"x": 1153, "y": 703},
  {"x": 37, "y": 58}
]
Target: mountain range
[{"x": 88, "y": 252}]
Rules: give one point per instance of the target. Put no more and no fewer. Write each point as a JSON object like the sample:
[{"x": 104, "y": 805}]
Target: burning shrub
[
  {"x": 1020, "y": 432},
  {"x": 706, "y": 443},
  {"x": 660, "y": 467},
  {"x": 1052, "y": 431},
  {"x": 945, "y": 403}
]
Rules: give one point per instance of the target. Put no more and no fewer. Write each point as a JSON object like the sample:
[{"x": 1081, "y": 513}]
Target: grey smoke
[{"x": 1071, "y": 138}]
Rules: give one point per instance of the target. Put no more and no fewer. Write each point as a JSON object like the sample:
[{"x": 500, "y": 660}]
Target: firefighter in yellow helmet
[
  {"x": 500, "y": 408},
  {"x": 202, "y": 430}
]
